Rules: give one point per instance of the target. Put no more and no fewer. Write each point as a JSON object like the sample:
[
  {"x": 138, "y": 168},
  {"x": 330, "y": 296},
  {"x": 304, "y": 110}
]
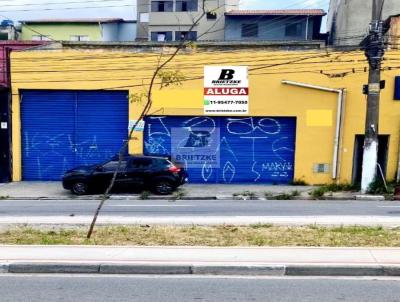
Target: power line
[
  {"x": 66, "y": 8},
  {"x": 61, "y": 3}
]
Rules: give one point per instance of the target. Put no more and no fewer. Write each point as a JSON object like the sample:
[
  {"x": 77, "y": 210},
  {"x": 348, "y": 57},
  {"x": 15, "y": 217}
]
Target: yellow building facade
[{"x": 321, "y": 89}]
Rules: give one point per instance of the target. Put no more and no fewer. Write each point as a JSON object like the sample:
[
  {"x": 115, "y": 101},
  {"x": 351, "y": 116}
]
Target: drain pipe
[{"x": 339, "y": 119}]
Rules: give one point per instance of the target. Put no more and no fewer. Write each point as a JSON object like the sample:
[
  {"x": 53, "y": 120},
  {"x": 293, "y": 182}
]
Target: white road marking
[
  {"x": 149, "y": 205},
  {"x": 388, "y": 206}
]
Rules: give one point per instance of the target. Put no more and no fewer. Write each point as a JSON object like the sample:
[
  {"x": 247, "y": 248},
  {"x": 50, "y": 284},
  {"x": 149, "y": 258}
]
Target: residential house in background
[
  {"x": 348, "y": 21},
  {"x": 294, "y": 24},
  {"x": 170, "y": 20},
  {"x": 7, "y": 30},
  {"x": 393, "y": 33},
  {"x": 99, "y": 29}
]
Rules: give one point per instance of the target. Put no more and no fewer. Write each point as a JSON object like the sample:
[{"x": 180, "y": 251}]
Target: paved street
[
  {"x": 134, "y": 208},
  {"x": 38, "y": 288},
  {"x": 201, "y": 212}
]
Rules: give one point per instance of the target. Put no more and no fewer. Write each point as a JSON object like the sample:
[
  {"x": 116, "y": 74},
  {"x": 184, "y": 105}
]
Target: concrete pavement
[
  {"x": 201, "y": 260},
  {"x": 200, "y": 212},
  {"x": 54, "y": 190}
]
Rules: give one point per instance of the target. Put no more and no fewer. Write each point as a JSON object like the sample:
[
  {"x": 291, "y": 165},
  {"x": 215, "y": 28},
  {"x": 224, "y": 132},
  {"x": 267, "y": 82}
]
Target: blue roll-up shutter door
[
  {"x": 252, "y": 150},
  {"x": 65, "y": 129}
]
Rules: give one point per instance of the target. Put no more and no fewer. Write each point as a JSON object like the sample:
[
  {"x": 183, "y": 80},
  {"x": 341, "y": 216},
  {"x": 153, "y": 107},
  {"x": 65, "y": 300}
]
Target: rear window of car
[
  {"x": 140, "y": 163},
  {"x": 162, "y": 163}
]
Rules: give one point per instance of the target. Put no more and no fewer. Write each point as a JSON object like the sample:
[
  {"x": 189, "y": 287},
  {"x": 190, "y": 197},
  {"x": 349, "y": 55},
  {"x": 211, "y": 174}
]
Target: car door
[
  {"x": 103, "y": 175},
  {"x": 138, "y": 171}
]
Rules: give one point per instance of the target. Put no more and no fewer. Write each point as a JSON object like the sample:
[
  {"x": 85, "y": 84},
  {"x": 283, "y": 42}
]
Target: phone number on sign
[{"x": 228, "y": 102}]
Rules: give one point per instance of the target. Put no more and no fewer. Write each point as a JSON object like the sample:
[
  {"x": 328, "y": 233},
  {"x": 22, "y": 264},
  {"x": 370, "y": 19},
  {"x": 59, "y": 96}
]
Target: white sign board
[
  {"x": 4, "y": 125},
  {"x": 139, "y": 126},
  {"x": 226, "y": 90}
]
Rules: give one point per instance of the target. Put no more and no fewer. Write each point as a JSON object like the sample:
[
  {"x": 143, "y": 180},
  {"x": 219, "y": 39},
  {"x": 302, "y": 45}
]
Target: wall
[
  {"x": 269, "y": 28},
  {"x": 349, "y": 24},
  {"x": 61, "y": 31},
  {"x": 127, "y": 31},
  {"x": 5, "y": 48},
  {"x": 315, "y": 110},
  {"x": 109, "y": 31},
  {"x": 142, "y": 29},
  {"x": 394, "y": 33}
]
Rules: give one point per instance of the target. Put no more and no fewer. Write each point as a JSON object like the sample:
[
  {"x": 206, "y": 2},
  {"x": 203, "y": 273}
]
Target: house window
[
  {"x": 3, "y": 36},
  {"x": 187, "y": 5},
  {"x": 211, "y": 16},
  {"x": 41, "y": 38},
  {"x": 186, "y": 35},
  {"x": 161, "y": 36},
  {"x": 162, "y": 6},
  {"x": 250, "y": 30},
  {"x": 294, "y": 29},
  {"x": 79, "y": 38}
]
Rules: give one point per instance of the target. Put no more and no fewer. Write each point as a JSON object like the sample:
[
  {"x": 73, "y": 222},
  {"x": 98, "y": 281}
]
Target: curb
[
  {"x": 218, "y": 270},
  {"x": 200, "y": 198}
]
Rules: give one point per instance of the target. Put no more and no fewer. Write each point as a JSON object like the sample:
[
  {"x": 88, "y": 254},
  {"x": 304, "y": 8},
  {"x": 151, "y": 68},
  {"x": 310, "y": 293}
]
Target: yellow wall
[{"x": 315, "y": 110}]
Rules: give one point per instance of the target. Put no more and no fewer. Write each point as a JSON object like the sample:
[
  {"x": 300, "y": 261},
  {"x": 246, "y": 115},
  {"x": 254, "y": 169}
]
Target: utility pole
[{"x": 375, "y": 50}]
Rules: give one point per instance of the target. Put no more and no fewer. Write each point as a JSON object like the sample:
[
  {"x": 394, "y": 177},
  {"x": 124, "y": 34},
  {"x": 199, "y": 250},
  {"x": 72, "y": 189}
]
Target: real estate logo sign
[{"x": 226, "y": 90}]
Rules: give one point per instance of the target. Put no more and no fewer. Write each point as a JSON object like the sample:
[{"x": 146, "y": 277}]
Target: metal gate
[
  {"x": 65, "y": 129},
  {"x": 244, "y": 150},
  {"x": 4, "y": 136}
]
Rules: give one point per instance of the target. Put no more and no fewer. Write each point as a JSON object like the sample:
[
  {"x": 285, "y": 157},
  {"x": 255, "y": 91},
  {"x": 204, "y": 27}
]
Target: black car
[{"x": 136, "y": 172}]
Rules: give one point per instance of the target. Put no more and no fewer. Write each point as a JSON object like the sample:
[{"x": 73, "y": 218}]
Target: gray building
[
  {"x": 264, "y": 25},
  {"x": 348, "y": 20},
  {"x": 171, "y": 20}
]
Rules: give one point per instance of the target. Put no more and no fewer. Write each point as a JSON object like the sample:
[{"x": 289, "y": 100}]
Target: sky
[{"x": 19, "y": 10}]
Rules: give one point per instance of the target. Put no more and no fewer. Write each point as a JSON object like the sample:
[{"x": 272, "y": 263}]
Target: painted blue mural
[{"x": 249, "y": 150}]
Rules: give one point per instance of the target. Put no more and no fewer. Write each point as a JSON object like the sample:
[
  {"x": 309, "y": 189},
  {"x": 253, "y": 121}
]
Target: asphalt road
[
  {"x": 38, "y": 288},
  {"x": 146, "y": 208}
]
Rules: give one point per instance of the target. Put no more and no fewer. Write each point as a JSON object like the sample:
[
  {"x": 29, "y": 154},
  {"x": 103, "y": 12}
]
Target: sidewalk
[
  {"x": 54, "y": 190},
  {"x": 197, "y": 260}
]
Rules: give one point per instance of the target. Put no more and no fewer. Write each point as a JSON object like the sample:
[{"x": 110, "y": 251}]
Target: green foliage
[
  {"x": 179, "y": 194},
  {"x": 4, "y": 197},
  {"x": 378, "y": 187},
  {"x": 145, "y": 195},
  {"x": 138, "y": 97},
  {"x": 283, "y": 196},
  {"x": 192, "y": 45},
  {"x": 170, "y": 77},
  {"x": 345, "y": 187},
  {"x": 295, "y": 193},
  {"x": 246, "y": 194},
  {"x": 298, "y": 182},
  {"x": 318, "y": 193}
]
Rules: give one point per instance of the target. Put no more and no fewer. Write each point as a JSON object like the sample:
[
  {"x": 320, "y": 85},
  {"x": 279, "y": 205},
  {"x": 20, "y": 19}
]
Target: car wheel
[
  {"x": 163, "y": 187},
  {"x": 79, "y": 188}
]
